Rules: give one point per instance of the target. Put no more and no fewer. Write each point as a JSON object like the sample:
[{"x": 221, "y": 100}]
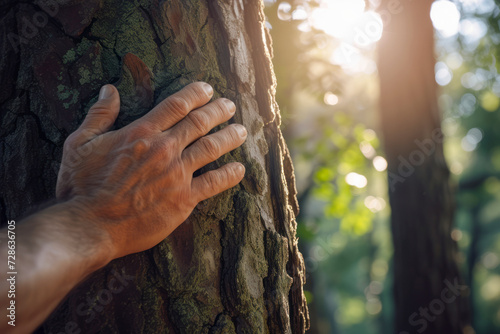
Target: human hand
[{"x": 136, "y": 183}]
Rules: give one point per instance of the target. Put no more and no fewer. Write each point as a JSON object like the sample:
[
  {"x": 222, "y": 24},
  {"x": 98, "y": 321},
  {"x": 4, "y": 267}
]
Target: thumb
[{"x": 102, "y": 114}]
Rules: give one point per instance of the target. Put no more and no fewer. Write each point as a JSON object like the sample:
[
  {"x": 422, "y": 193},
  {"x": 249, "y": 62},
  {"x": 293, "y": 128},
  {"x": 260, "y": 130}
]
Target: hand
[{"x": 136, "y": 183}]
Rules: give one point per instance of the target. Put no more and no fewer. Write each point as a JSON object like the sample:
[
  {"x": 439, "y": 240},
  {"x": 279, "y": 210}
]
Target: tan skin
[{"x": 121, "y": 192}]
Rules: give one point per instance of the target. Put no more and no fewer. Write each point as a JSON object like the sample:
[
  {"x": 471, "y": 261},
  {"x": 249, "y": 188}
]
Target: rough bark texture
[
  {"x": 234, "y": 266},
  {"x": 420, "y": 194}
]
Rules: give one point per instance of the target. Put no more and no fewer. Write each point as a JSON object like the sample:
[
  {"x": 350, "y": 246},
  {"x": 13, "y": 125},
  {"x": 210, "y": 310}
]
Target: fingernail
[
  {"x": 106, "y": 91},
  {"x": 240, "y": 168},
  {"x": 242, "y": 131},
  {"x": 208, "y": 89},
  {"x": 230, "y": 105}
]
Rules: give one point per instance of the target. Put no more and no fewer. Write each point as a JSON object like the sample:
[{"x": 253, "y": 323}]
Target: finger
[
  {"x": 211, "y": 147},
  {"x": 216, "y": 181},
  {"x": 175, "y": 107},
  {"x": 101, "y": 115},
  {"x": 199, "y": 122}
]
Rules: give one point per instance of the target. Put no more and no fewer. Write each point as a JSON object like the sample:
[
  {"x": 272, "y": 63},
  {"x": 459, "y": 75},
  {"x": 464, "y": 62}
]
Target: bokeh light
[
  {"x": 356, "y": 180},
  {"x": 445, "y": 17},
  {"x": 380, "y": 163},
  {"x": 331, "y": 99},
  {"x": 443, "y": 74},
  {"x": 336, "y": 43}
]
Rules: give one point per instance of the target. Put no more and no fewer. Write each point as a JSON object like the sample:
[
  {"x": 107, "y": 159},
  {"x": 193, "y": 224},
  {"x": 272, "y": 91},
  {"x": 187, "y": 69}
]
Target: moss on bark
[{"x": 229, "y": 268}]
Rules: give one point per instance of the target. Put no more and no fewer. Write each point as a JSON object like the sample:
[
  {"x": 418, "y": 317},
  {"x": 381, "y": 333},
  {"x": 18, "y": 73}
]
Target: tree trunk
[
  {"x": 428, "y": 292},
  {"x": 234, "y": 265}
]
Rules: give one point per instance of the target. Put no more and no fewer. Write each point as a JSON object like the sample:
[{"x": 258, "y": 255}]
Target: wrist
[{"x": 76, "y": 232}]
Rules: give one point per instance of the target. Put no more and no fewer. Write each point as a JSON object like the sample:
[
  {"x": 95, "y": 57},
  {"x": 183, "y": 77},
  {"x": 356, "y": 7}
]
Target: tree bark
[
  {"x": 234, "y": 265},
  {"x": 427, "y": 298}
]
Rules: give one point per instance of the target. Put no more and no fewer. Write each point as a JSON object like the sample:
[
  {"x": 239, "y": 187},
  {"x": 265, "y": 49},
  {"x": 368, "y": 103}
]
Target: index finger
[{"x": 175, "y": 107}]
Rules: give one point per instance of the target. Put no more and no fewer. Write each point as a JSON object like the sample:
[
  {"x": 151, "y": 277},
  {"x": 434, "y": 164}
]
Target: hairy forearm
[
  {"x": 128, "y": 190},
  {"x": 55, "y": 250}
]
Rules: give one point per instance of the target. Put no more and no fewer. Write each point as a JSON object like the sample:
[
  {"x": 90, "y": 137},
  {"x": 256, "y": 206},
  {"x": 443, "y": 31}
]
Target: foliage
[
  {"x": 328, "y": 113},
  {"x": 470, "y": 103},
  {"x": 328, "y": 120}
]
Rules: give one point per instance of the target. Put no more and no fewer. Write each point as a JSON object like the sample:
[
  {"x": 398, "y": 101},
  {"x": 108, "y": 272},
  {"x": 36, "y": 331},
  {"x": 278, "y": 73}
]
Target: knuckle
[
  {"x": 171, "y": 145},
  {"x": 218, "y": 108},
  {"x": 85, "y": 150},
  {"x": 177, "y": 105},
  {"x": 104, "y": 124},
  {"x": 165, "y": 149},
  {"x": 88, "y": 133},
  {"x": 199, "y": 121},
  {"x": 71, "y": 141},
  {"x": 140, "y": 147},
  {"x": 213, "y": 179},
  {"x": 190, "y": 157},
  {"x": 210, "y": 146},
  {"x": 99, "y": 108},
  {"x": 138, "y": 131}
]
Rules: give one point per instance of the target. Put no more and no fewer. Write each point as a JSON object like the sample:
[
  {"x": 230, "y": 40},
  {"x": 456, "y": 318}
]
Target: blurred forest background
[{"x": 328, "y": 90}]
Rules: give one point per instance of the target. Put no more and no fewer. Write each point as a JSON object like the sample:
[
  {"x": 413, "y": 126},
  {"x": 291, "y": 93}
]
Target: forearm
[
  {"x": 134, "y": 186},
  {"x": 55, "y": 250}
]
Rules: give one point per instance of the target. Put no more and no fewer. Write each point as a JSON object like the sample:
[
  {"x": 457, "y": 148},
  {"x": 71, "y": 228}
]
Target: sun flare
[{"x": 348, "y": 21}]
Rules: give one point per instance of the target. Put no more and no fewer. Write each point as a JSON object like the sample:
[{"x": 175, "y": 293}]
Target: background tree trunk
[
  {"x": 419, "y": 190},
  {"x": 234, "y": 265}
]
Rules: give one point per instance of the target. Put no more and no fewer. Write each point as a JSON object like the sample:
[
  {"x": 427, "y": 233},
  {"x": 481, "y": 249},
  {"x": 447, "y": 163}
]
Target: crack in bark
[
  {"x": 241, "y": 291},
  {"x": 157, "y": 38}
]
